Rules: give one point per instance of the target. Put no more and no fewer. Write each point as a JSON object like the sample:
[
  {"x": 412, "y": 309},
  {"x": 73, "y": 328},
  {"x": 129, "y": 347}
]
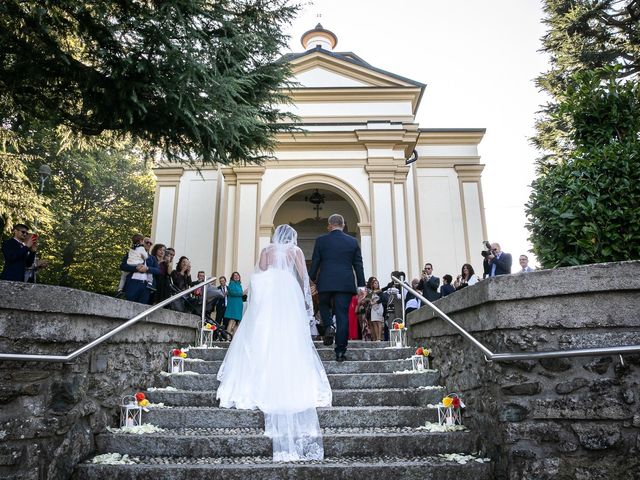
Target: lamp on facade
[{"x": 317, "y": 199}]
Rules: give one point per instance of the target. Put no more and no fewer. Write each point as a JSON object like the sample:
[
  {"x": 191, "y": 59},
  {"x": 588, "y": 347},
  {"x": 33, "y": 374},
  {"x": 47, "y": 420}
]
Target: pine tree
[{"x": 198, "y": 78}]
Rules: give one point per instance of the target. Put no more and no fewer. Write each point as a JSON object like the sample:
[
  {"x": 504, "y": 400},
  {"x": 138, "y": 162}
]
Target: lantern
[
  {"x": 130, "y": 412},
  {"x": 398, "y": 337},
  {"x": 206, "y": 337},
  {"x": 418, "y": 363},
  {"x": 176, "y": 362},
  {"x": 449, "y": 410}
]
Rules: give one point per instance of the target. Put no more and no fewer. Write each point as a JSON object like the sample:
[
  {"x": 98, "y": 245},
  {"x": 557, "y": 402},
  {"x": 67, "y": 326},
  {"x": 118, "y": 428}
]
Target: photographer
[
  {"x": 496, "y": 262},
  {"x": 429, "y": 283}
]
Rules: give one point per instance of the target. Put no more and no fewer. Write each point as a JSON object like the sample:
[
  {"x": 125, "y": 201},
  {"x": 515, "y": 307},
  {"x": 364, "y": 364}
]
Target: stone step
[
  {"x": 263, "y": 468},
  {"x": 206, "y": 382},
  {"x": 236, "y": 443},
  {"x": 355, "y": 344},
  {"x": 330, "y": 366},
  {"x": 346, "y": 397},
  {"x": 330, "y": 417},
  {"x": 326, "y": 353}
]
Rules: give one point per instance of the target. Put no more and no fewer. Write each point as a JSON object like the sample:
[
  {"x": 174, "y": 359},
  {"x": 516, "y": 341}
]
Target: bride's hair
[{"x": 285, "y": 234}]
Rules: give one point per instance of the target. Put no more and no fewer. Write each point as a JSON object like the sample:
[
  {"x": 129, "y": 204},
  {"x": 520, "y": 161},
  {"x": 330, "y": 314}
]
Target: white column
[{"x": 165, "y": 204}]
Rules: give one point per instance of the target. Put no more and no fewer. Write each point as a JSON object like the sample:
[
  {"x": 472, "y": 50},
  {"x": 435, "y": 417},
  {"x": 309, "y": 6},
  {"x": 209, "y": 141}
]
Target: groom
[{"x": 335, "y": 257}]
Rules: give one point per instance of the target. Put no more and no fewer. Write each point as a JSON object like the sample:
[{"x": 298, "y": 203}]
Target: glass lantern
[
  {"x": 130, "y": 412},
  {"x": 176, "y": 363},
  {"x": 450, "y": 413},
  {"x": 398, "y": 338},
  {"x": 418, "y": 363},
  {"x": 206, "y": 337}
]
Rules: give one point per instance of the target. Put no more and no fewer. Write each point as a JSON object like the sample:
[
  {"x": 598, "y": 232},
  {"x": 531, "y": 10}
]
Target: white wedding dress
[{"x": 272, "y": 363}]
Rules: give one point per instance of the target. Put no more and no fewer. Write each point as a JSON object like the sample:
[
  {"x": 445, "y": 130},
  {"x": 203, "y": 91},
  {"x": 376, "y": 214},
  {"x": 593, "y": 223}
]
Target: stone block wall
[
  {"x": 576, "y": 418},
  {"x": 49, "y": 412}
]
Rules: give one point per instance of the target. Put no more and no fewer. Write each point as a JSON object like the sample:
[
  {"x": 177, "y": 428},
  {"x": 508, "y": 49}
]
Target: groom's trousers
[{"x": 336, "y": 303}]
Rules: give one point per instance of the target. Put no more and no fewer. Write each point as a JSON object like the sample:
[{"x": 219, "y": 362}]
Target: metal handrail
[
  {"x": 504, "y": 357},
  {"x": 18, "y": 357}
]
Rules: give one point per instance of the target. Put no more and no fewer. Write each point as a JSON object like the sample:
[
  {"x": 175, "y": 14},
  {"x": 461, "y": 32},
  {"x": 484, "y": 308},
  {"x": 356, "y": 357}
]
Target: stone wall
[
  {"x": 576, "y": 418},
  {"x": 49, "y": 412}
]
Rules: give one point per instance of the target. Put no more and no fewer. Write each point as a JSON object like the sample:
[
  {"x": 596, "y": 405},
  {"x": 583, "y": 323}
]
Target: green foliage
[
  {"x": 95, "y": 199},
  {"x": 100, "y": 198},
  {"x": 585, "y": 204},
  {"x": 19, "y": 199},
  {"x": 583, "y": 35},
  {"x": 197, "y": 78}
]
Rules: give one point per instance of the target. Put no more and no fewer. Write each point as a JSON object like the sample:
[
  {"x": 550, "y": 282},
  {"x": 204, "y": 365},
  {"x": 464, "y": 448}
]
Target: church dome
[{"x": 319, "y": 37}]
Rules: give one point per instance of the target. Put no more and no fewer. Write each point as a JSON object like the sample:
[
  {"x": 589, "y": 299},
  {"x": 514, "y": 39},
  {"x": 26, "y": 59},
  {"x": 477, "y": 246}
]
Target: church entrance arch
[{"x": 297, "y": 202}]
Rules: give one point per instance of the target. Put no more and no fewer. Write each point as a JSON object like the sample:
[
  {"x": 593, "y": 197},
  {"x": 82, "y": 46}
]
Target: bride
[{"x": 272, "y": 363}]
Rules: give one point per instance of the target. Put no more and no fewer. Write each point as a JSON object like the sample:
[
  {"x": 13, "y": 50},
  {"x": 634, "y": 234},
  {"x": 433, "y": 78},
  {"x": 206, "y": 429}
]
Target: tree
[
  {"x": 582, "y": 207},
  {"x": 100, "y": 198},
  {"x": 585, "y": 204},
  {"x": 95, "y": 199},
  {"x": 583, "y": 35},
  {"x": 19, "y": 199},
  {"x": 197, "y": 78}
]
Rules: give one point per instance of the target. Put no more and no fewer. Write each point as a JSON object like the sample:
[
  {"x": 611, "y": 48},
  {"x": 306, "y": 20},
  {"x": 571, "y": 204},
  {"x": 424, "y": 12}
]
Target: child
[{"x": 137, "y": 255}]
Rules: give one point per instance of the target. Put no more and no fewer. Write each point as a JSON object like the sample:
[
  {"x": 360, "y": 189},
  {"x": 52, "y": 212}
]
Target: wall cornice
[{"x": 450, "y": 137}]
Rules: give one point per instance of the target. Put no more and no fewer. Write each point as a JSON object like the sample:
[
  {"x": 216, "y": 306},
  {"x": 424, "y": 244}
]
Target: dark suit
[
  {"x": 336, "y": 256},
  {"x": 503, "y": 264},
  {"x": 17, "y": 258},
  {"x": 429, "y": 288}
]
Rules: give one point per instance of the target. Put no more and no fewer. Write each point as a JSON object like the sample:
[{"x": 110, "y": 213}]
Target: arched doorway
[
  {"x": 308, "y": 210},
  {"x": 356, "y": 210}
]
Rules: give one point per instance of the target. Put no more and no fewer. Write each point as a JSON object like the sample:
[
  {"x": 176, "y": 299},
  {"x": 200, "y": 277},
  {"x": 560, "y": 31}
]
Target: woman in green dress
[{"x": 234, "y": 302}]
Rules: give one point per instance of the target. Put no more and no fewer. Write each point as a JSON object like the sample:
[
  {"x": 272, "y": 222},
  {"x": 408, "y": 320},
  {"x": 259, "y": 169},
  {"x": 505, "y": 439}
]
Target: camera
[{"x": 488, "y": 250}]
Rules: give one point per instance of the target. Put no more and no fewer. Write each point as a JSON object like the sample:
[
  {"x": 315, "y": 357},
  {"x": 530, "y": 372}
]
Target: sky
[{"x": 479, "y": 60}]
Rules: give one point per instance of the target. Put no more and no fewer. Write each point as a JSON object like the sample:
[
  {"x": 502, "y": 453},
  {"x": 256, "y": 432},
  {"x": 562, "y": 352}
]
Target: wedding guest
[
  {"x": 181, "y": 276},
  {"x": 361, "y": 312},
  {"x": 221, "y": 304},
  {"x": 466, "y": 278},
  {"x": 353, "y": 318},
  {"x": 411, "y": 301},
  {"x": 162, "y": 281},
  {"x": 446, "y": 288},
  {"x": 378, "y": 300},
  {"x": 153, "y": 270},
  {"x": 181, "y": 280},
  {"x": 524, "y": 264},
  {"x": 234, "y": 302},
  {"x": 19, "y": 252}
]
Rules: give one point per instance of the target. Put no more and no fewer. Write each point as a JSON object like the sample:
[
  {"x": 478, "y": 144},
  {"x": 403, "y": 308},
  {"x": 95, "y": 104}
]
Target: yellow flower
[
  {"x": 426, "y": 352},
  {"x": 447, "y": 401},
  {"x": 143, "y": 403},
  {"x": 183, "y": 354}
]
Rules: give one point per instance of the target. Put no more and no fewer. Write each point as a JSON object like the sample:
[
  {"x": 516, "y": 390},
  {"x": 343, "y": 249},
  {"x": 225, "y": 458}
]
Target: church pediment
[{"x": 319, "y": 68}]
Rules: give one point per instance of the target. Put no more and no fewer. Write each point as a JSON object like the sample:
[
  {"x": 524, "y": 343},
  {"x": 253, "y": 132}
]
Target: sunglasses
[{"x": 24, "y": 232}]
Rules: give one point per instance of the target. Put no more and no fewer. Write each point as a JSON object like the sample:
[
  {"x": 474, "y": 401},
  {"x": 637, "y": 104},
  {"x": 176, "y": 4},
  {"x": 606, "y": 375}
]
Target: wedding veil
[{"x": 283, "y": 253}]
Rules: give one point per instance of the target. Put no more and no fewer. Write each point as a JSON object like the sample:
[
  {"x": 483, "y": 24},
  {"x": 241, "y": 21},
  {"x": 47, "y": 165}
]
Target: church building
[{"x": 410, "y": 195}]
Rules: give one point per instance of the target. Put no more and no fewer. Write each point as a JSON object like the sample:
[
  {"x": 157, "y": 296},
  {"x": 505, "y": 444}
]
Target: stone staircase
[{"x": 371, "y": 429}]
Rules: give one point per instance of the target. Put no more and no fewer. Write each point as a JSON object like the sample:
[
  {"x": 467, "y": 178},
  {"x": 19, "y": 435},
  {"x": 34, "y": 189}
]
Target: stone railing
[
  {"x": 556, "y": 418},
  {"x": 49, "y": 412}
]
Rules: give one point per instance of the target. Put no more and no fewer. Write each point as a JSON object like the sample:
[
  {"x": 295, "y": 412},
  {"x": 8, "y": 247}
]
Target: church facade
[{"x": 410, "y": 195}]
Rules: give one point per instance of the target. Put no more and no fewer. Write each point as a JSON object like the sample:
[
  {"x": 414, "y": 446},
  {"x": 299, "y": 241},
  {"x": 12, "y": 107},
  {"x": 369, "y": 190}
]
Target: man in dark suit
[
  {"x": 335, "y": 258},
  {"x": 429, "y": 283},
  {"x": 19, "y": 253},
  {"x": 499, "y": 262}
]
